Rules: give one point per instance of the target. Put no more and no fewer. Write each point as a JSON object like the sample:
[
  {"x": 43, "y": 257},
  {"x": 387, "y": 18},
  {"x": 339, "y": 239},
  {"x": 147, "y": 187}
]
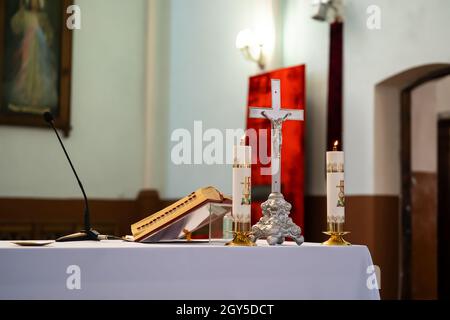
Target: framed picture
[{"x": 35, "y": 62}]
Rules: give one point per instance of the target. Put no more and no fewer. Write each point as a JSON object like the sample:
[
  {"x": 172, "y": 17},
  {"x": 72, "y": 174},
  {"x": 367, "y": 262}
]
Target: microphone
[{"x": 88, "y": 233}]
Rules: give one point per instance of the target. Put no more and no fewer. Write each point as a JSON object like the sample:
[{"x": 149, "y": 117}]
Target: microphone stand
[{"x": 88, "y": 233}]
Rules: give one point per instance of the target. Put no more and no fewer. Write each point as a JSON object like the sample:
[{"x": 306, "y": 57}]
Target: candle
[
  {"x": 242, "y": 186},
  {"x": 335, "y": 189}
]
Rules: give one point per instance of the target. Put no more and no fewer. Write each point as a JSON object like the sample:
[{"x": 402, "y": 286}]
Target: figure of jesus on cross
[{"x": 275, "y": 223}]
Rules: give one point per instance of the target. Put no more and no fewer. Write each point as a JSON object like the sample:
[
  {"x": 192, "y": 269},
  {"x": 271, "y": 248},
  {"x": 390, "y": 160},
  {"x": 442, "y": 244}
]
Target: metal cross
[{"x": 276, "y": 116}]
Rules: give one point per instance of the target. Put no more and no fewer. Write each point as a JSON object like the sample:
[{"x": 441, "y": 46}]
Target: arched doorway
[
  {"x": 391, "y": 172},
  {"x": 423, "y": 201}
]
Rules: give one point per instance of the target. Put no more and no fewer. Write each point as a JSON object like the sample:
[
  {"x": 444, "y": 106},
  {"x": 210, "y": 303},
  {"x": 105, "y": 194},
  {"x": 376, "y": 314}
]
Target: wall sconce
[
  {"x": 327, "y": 10},
  {"x": 251, "y": 47}
]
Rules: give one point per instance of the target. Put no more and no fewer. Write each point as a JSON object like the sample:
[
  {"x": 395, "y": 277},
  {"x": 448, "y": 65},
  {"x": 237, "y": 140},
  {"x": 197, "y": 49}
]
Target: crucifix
[
  {"x": 276, "y": 116},
  {"x": 275, "y": 224}
]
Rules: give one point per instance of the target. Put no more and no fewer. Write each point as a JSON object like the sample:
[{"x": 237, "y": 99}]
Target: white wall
[
  {"x": 306, "y": 41},
  {"x": 443, "y": 95},
  {"x": 141, "y": 69},
  {"x": 208, "y": 78},
  {"x": 201, "y": 76},
  {"x": 157, "y": 88},
  {"x": 106, "y": 142},
  {"x": 413, "y": 32},
  {"x": 427, "y": 102},
  {"x": 424, "y": 129}
]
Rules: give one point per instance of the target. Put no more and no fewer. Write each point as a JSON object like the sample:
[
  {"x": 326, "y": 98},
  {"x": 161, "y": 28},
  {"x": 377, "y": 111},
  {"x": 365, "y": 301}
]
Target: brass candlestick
[
  {"x": 241, "y": 236},
  {"x": 336, "y": 233}
]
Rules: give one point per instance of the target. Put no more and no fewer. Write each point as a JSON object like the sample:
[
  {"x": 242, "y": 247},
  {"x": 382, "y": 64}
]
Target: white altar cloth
[{"x": 123, "y": 270}]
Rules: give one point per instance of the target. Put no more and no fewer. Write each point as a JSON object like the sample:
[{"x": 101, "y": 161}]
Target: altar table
[{"x": 125, "y": 270}]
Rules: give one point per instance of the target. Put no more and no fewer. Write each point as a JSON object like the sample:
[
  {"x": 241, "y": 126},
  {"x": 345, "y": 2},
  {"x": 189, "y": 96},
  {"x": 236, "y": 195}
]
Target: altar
[{"x": 198, "y": 271}]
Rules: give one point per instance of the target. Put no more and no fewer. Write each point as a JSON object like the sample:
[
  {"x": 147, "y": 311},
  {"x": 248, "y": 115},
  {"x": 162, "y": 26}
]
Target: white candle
[
  {"x": 335, "y": 189},
  {"x": 242, "y": 186}
]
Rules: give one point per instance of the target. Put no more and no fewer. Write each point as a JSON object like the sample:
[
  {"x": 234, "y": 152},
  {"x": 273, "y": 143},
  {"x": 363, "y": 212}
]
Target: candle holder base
[
  {"x": 336, "y": 238},
  {"x": 275, "y": 224},
  {"x": 241, "y": 239}
]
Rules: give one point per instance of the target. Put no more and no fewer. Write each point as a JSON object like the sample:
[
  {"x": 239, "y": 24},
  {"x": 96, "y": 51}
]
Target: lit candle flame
[{"x": 336, "y": 143}]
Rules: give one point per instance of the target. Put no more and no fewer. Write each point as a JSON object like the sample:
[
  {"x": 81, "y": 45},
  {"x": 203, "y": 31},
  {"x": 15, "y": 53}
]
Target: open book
[{"x": 185, "y": 216}]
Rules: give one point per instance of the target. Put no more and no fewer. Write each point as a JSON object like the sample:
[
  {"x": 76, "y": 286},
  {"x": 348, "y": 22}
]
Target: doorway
[{"x": 424, "y": 192}]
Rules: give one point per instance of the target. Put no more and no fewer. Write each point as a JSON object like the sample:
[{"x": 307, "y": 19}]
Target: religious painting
[
  {"x": 292, "y": 81},
  {"x": 35, "y": 62}
]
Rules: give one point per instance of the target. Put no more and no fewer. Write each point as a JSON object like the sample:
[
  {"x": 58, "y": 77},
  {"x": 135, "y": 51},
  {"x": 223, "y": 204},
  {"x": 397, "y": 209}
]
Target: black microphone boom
[{"x": 88, "y": 233}]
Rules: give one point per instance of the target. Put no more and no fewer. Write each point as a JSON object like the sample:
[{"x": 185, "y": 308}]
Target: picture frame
[{"x": 35, "y": 63}]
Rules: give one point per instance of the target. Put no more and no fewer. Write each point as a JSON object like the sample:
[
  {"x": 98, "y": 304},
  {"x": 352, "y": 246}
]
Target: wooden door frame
[{"x": 406, "y": 178}]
